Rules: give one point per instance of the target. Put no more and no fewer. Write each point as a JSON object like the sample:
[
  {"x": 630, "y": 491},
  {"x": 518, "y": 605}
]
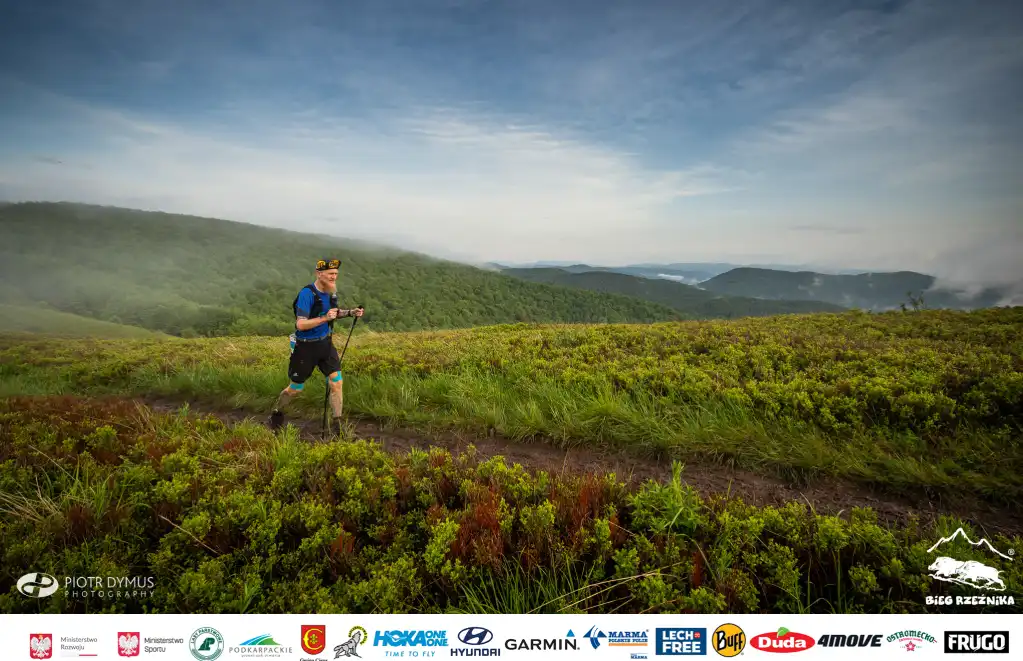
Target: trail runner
[{"x": 315, "y": 310}]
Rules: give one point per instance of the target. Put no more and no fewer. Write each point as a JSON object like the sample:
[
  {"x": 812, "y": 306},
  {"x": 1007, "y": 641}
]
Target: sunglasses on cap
[{"x": 324, "y": 264}]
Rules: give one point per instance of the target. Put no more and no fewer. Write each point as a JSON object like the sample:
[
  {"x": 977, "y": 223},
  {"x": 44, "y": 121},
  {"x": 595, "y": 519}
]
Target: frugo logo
[
  {"x": 976, "y": 642},
  {"x": 37, "y": 584},
  {"x": 678, "y": 641},
  {"x": 782, "y": 641}
]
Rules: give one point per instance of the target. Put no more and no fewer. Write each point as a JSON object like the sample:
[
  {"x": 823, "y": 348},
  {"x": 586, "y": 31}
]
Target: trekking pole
[{"x": 326, "y": 392}]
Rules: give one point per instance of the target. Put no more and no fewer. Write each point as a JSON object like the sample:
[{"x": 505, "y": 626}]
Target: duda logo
[
  {"x": 37, "y": 585},
  {"x": 782, "y": 641},
  {"x": 475, "y": 636},
  {"x": 976, "y": 642}
]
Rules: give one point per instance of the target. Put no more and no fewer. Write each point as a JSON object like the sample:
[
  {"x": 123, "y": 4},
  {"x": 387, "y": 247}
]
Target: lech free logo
[
  {"x": 40, "y": 645},
  {"x": 678, "y": 641},
  {"x": 206, "y": 644},
  {"x": 728, "y": 640},
  {"x": 356, "y": 636},
  {"x": 37, "y": 584},
  {"x": 128, "y": 643},
  {"x": 314, "y": 638},
  {"x": 969, "y": 572},
  {"x": 475, "y": 636}
]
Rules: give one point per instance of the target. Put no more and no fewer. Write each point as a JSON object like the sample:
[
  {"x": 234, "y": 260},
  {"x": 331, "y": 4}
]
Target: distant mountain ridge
[
  {"x": 871, "y": 291},
  {"x": 691, "y": 301}
]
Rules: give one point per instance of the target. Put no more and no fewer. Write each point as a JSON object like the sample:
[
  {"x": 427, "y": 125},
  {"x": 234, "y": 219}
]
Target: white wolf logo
[{"x": 970, "y": 572}]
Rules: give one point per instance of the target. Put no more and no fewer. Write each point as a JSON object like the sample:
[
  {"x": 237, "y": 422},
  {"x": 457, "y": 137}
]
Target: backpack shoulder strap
[{"x": 317, "y": 303}]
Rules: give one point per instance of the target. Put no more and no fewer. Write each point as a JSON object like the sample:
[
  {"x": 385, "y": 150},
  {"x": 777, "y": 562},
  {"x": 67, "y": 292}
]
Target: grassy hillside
[
  {"x": 868, "y": 291},
  {"x": 197, "y": 276},
  {"x": 16, "y": 319},
  {"x": 693, "y": 303},
  {"x": 901, "y": 400},
  {"x": 232, "y": 519}
]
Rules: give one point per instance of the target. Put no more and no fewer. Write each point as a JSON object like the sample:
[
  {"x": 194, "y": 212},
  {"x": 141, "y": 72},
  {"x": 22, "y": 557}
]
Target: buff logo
[{"x": 410, "y": 639}]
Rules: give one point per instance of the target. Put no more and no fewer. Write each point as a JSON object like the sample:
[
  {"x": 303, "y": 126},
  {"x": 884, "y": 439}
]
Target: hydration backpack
[{"x": 317, "y": 308}]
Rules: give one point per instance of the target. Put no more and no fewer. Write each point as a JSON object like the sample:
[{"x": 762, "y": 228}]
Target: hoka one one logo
[{"x": 413, "y": 638}]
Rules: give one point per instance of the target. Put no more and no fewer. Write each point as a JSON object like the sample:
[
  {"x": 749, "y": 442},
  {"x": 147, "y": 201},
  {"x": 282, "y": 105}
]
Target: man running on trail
[{"x": 315, "y": 310}]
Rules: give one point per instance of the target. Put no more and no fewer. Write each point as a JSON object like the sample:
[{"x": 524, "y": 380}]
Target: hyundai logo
[
  {"x": 475, "y": 636},
  {"x": 37, "y": 585}
]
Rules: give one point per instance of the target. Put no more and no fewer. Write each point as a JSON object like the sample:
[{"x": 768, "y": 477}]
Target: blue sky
[{"x": 879, "y": 135}]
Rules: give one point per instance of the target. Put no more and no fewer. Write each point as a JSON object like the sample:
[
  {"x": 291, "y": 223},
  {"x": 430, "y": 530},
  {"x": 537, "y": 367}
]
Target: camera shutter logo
[
  {"x": 37, "y": 584},
  {"x": 475, "y": 636},
  {"x": 206, "y": 644}
]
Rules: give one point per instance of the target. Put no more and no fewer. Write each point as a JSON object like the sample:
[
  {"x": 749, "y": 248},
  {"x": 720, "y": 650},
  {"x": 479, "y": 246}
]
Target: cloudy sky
[{"x": 873, "y": 134}]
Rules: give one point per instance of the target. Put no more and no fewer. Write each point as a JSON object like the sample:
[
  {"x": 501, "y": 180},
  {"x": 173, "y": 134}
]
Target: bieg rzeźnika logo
[{"x": 970, "y": 573}]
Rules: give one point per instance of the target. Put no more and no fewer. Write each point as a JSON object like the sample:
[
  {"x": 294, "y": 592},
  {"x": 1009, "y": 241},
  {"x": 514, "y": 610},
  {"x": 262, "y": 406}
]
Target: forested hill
[
  {"x": 694, "y": 303},
  {"x": 198, "y": 276},
  {"x": 869, "y": 291}
]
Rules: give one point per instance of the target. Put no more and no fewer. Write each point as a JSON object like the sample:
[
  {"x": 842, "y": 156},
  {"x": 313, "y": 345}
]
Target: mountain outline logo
[{"x": 968, "y": 572}]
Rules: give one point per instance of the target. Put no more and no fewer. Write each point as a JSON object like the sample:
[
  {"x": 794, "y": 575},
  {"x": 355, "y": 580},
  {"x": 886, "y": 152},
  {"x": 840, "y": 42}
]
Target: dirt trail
[{"x": 826, "y": 497}]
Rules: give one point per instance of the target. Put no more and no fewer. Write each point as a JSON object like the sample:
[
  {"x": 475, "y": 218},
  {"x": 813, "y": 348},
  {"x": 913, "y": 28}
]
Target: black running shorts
[{"x": 310, "y": 355}]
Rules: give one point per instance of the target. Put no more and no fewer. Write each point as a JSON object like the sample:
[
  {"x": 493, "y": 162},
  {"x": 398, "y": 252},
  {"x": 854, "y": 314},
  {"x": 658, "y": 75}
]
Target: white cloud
[{"x": 471, "y": 183}]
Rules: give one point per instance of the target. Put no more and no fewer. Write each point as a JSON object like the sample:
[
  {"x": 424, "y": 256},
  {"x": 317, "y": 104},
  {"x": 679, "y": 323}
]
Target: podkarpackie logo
[
  {"x": 949, "y": 567},
  {"x": 782, "y": 641}
]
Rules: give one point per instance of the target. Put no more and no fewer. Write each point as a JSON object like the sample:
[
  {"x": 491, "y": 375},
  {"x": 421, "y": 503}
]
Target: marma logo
[
  {"x": 37, "y": 585},
  {"x": 970, "y": 572}
]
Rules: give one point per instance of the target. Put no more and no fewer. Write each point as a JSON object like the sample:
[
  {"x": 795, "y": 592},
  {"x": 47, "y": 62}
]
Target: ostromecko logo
[{"x": 969, "y": 572}]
